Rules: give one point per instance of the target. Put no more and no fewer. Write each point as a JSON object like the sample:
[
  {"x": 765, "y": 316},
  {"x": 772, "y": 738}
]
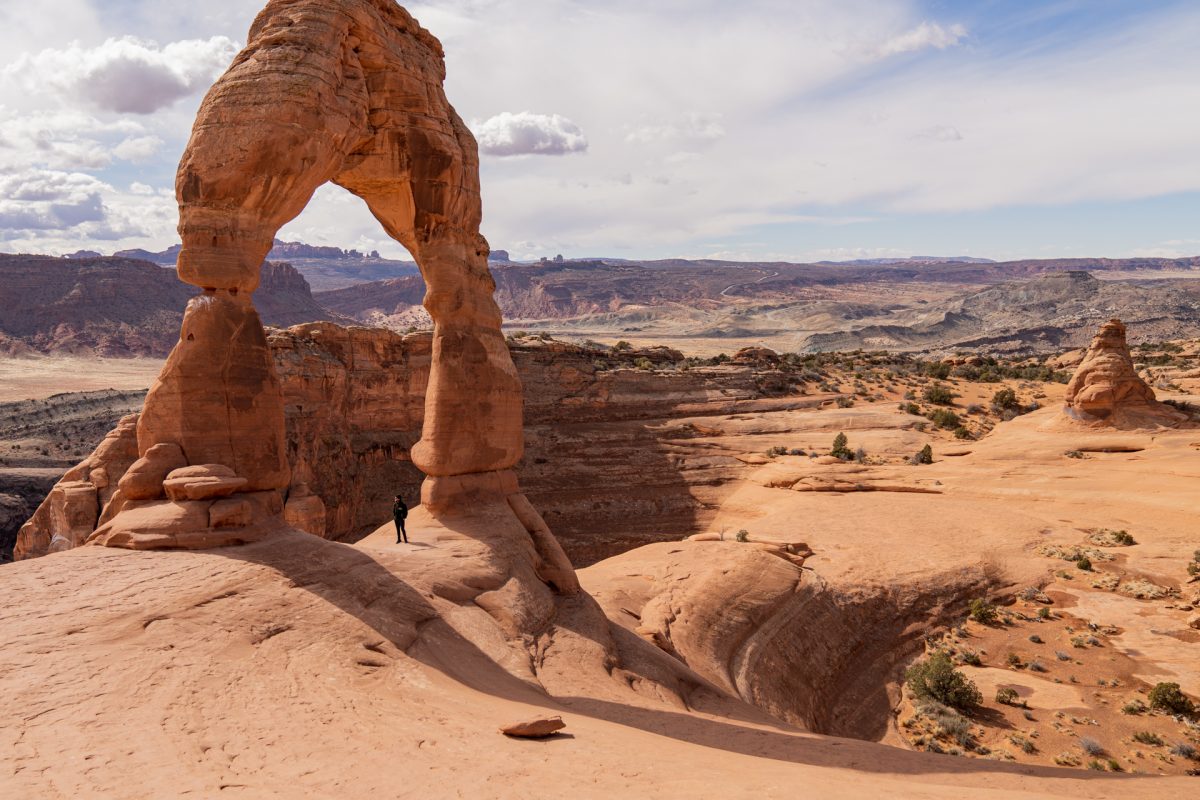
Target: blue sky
[{"x": 763, "y": 129}]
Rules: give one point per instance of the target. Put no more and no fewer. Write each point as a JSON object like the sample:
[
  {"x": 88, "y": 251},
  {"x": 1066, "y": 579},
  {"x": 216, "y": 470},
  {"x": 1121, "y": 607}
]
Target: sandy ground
[
  {"x": 292, "y": 669},
  {"x": 38, "y": 377}
]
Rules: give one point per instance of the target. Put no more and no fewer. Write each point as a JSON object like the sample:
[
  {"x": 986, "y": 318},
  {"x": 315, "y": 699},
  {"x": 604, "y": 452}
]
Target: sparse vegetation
[
  {"x": 939, "y": 394},
  {"x": 1134, "y": 706},
  {"x": 925, "y": 456},
  {"x": 1168, "y": 697},
  {"x": 936, "y": 678},
  {"x": 1185, "y": 750},
  {"x": 983, "y": 612},
  {"x": 841, "y": 448}
]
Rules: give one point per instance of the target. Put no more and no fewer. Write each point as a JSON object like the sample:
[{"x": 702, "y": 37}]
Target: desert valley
[{"x": 909, "y": 527}]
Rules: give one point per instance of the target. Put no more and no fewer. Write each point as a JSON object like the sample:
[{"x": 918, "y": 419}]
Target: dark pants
[{"x": 401, "y": 534}]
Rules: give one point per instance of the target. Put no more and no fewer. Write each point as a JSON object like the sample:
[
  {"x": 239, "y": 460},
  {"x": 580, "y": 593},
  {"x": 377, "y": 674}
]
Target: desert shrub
[
  {"x": 1185, "y": 750},
  {"x": 970, "y": 657},
  {"x": 935, "y": 678},
  {"x": 777, "y": 451},
  {"x": 983, "y": 612},
  {"x": 1005, "y": 399},
  {"x": 939, "y": 394},
  {"x": 1035, "y": 639},
  {"x": 1013, "y": 660},
  {"x": 618, "y": 347},
  {"x": 1084, "y": 563},
  {"x": 925, "y": 456},
  {"x": 962, "y": 432},
  {"x": 944, "y": 418},
  {"x": 1167, "y": 697},
  {"x": 1134, "y": 706},
  {"x": 1037, "y": 666},
  {"x": 742, "y": 536},
  {"x": 860, "y": 455},
  {"x": 1043, "y": 613},
  {"x": 1008, "y": 697},
  {"x": 911, "y": 408},
  {"x": 1061, "y": 656},
  {"x": 938, "y": 369},
  {"x": 1091, "y": 746},
  {"x": 795, "y": 452},
  {"x": 974, "y": 408},
  {"x": 840, "y": 448},
  {"x": 643, "y": 363},
  {"x": 1148, "y": 737},
  {"x": 1026, "y": 744},
  {"x": 1074, "y": 454}
]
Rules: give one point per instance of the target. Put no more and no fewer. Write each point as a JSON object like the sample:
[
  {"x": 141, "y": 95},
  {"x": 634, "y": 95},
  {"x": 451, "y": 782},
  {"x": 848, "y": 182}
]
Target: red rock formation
[
  {"x": 349, "y": 92},
  {"x": 354, "y": 407},
  {"x": 1106, "y": 388}
]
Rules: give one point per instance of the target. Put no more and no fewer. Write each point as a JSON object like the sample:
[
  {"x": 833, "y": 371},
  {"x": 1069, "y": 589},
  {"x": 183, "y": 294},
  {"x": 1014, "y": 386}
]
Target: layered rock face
[
  {"x": 1107, "y": 389},
  {"x": 354, "y": 404},
  {"x": 349, "y": 92}
]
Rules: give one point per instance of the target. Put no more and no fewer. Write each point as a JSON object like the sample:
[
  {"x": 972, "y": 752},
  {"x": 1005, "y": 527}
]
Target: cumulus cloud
[
  {"x": 138, "y": 149},
  {"x": 40, "y": 200},
  {"x": 925, "y": 35},
  {"x": 126, "y": 75},
  {"x": 525, "y": 133}
]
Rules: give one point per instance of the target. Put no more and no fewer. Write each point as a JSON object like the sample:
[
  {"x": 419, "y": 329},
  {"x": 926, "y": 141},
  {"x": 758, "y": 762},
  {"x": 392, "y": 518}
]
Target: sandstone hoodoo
[
  {"x": 349, "y": 93},
  {"x": 1107, "y": 389}
]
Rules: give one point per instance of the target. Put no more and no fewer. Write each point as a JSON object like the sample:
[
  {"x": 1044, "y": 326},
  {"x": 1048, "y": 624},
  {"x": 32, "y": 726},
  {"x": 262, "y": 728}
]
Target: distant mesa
[
  {"x": 1107, "y": 390},
  {"x": 165, "y": 258},
  {"x": 122, "y": 307},
  {"x": 83, "y": 254},
  {"x": 499, "y": 255}
]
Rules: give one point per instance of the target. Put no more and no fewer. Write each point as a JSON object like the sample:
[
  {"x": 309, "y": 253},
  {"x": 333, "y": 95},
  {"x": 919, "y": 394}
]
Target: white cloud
[
  {"x": 127, "y": 74},
  {"x": 925, "y": 35},
  {"x": 525, "y": 133},
  {"x": 40, "y": 200},
  {"x": 138, "y": 149},
  {"x": 694, "y": 125}
]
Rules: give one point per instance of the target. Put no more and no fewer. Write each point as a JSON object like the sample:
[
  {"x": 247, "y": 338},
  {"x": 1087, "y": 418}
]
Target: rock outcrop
[
  {"x": 354, "y": 406},
  {"x": 1107, "y": 390},
  {"x": 348, "y": 92}
]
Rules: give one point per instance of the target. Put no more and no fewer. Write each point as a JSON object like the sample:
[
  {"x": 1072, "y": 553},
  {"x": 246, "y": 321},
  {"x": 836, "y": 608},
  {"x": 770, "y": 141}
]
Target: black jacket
[{"x": 399, "y": 510}]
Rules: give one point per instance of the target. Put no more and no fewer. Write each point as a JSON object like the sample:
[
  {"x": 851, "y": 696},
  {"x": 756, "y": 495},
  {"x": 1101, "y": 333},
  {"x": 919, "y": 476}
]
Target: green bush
[
  {"x": 1005, "y": 399},
  {"x": 983, "y": 612},
  {"x": 935, "y": 678},
  {"x": 939, "y": 394},
  {"x": 1008, "y": 697},
  {"x": 742, "y": 536},
  {"x": 962, "y": 432},
  {"x": 945, "y": 418},
  {"x": 925, "y": 456},
  {"x": 1147, "y": 737},
  {"x": 1167, "y": 697},
  {"x": 840, "y": 448},
  {"x": 1084, "y": 563}
]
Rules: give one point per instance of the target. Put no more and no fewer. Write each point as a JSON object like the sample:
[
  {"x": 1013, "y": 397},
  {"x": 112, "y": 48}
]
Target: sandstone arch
[{"x": 349, "y": 92}]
